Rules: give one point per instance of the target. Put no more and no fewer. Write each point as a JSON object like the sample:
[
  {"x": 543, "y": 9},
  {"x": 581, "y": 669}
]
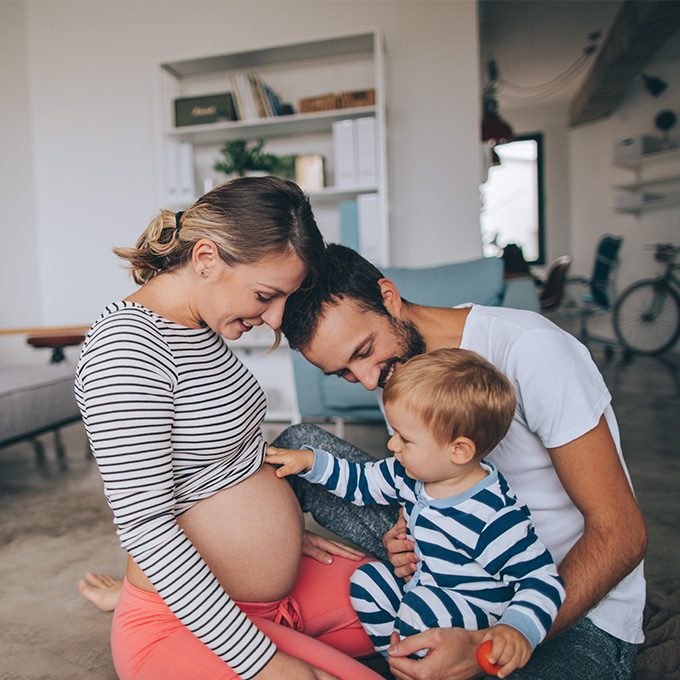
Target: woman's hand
[
  {"x": 321, "y": 549},
  {"x": 285, "y": 667},
  {"x": 400, "y": 549},
  {"x": 291, "y": 461},
  {"x": 451, "y": 656}
]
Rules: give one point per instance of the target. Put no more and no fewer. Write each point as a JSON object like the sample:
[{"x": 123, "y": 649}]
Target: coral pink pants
[{"x": 315, "y": 623}]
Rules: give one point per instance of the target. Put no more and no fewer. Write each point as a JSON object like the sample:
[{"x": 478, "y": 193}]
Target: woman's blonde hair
[
  {"x": 455, "y": 393},
  {"x": 247, "y": 218}
]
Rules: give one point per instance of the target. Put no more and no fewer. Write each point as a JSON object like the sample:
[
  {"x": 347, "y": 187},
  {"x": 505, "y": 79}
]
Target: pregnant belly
[{"x": 250, "y": 535}]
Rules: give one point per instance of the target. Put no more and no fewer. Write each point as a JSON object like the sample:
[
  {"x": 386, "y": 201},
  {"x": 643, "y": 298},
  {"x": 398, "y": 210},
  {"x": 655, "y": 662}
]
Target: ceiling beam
[{"x": 640, "y": 28}]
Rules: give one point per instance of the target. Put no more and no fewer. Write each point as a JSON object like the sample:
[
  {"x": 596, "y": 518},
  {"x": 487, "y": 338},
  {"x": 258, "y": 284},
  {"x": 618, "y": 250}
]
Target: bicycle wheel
[{"x": 647, "y": 317}]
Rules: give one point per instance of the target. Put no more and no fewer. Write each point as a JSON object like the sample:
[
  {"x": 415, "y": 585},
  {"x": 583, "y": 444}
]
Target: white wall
[
  {"x": 593, "y": 177},
  {"x": 20, "y": 273},
  {"x": 90, "y": 76}
]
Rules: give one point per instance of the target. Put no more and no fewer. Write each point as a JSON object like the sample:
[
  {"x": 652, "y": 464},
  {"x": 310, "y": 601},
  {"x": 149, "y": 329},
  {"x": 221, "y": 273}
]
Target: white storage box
[{"x": 636, "y": 146}]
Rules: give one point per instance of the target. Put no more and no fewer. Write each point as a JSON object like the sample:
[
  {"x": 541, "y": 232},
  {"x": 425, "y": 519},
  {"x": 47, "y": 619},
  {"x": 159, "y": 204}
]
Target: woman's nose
[{"x": 273, "y": 315}]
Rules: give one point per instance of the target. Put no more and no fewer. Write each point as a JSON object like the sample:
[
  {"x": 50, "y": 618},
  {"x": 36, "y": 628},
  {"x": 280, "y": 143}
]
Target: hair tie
[{"x": 178, "y": 224}]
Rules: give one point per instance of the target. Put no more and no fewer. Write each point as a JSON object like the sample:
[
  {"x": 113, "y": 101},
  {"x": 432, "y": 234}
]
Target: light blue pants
[{"x": 384, "y": 604}]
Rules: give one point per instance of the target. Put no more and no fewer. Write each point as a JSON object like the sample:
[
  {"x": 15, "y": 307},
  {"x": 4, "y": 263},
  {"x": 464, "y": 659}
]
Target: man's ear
[
  {"x": 391, "y": 298},
  {"x": 204, "y": 256},
  {"x": 463, "y": 450}
]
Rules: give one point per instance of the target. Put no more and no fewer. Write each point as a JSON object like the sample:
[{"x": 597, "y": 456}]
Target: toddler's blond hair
[{"x": 455, "y": 393}]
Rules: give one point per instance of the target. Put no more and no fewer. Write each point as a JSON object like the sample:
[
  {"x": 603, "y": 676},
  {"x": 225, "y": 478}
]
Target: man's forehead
[{"x": 341, "y": 327}]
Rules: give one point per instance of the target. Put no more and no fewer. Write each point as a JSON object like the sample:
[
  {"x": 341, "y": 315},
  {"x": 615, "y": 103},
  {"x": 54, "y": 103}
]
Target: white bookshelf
[{"x": 294, "y": 71}]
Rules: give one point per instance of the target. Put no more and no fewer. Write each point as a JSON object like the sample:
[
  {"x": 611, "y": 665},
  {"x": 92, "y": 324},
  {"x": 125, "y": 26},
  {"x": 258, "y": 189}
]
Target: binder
[
  {"x": 344, "y": 160},
  {"x": 349, "y": 224},
  {"x": 369, "y": 229},
  {"x": 366, "y": 152},
  {"x": 187, "y": 186}
]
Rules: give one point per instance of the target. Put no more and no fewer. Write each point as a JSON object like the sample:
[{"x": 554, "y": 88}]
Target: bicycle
[{"x": 647, "y": 313}]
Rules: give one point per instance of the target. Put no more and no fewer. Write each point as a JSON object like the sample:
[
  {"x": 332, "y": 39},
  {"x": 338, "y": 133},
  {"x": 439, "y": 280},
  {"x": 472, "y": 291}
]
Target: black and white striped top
[{"x": 173, "y": 417}]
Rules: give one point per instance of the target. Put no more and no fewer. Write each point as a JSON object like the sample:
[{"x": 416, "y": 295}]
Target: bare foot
[{"x": 103, "y": 591}]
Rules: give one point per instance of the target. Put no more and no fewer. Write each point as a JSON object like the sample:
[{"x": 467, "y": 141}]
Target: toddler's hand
[
  {"x": 510, "y": 649},
  {"x": 292, "y": 461}
]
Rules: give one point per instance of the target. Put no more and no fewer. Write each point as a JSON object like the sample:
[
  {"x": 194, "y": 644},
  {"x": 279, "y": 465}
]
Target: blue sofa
[{"x": 480, "y": 281}]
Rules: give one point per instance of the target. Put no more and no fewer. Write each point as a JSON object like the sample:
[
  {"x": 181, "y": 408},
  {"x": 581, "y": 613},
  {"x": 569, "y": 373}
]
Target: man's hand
[
  {"x": 510, "y": 648},
  {"x": 400, "y": 549},
  {"x": 291, "y": 461},
  {"x": 451, "y": 656},
  {"x": 321, "y": 549}
]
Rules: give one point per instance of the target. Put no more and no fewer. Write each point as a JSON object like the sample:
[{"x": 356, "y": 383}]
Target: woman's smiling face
[{"x": 237, "y": 297}]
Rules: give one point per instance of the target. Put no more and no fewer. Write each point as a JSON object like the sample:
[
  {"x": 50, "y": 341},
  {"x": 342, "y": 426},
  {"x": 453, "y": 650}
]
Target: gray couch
[
  {"x": 34, "y": 400},
  {"x": 480, "y": 281}
]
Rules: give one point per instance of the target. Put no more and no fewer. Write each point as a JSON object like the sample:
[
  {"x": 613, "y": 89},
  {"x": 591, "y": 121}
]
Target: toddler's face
[{"x": 423, "y": 457}]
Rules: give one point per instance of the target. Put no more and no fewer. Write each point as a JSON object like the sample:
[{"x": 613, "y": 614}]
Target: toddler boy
[{"x": 481, "y": 564}]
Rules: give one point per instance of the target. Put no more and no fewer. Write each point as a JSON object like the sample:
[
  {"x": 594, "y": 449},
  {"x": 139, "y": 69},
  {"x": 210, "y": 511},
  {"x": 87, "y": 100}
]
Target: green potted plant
[{"x": 241, "y": 156}]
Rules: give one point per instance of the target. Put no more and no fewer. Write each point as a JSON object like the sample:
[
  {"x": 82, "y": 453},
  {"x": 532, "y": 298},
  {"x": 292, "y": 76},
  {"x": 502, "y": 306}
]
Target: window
[{"x": 512, "y": 200}]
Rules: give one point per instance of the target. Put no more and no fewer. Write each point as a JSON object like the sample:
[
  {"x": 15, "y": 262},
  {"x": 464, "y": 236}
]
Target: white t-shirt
[{"x": 561, "y": 396}]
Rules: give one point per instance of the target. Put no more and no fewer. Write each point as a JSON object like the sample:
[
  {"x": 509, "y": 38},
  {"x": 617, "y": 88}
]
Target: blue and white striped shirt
[{"x": 480, "y": 543}]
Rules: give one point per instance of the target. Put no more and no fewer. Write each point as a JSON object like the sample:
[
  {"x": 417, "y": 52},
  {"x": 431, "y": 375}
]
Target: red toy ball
[{"x": 483, "y": 652}]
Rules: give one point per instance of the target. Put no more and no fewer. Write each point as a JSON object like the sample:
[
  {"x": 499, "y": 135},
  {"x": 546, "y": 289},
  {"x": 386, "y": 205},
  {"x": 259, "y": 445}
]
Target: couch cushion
[
  {"x": 480, "y": 281},
  {"x": 35, "y": 398}
]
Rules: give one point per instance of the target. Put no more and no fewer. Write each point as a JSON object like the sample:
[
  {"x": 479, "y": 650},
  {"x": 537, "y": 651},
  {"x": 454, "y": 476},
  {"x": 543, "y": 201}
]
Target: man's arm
[{"x": 614, "y": 539}]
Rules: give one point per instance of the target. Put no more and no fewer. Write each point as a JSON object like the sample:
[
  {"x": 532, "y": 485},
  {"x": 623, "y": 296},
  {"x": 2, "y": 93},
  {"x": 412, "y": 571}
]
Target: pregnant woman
[{"x": 216, "y": 583}]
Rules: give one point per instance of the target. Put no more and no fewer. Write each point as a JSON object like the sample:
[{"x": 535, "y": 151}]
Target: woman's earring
[{"x": 203, "y": 273}]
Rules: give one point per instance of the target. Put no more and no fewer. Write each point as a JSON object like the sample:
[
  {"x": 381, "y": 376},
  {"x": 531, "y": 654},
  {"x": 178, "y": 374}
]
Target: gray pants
[{"x": 584, "y": 652}]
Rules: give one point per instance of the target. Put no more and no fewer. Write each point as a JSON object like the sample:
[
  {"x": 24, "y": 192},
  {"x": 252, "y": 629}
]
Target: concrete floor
[{"x": 55, "y": 525}]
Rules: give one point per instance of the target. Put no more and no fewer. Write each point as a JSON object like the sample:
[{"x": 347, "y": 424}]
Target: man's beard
[{"x": 411, "y": 343}]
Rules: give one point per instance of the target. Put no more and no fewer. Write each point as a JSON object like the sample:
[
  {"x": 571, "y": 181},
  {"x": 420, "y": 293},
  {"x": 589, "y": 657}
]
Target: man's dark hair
[{"x": 345, "y": 275}]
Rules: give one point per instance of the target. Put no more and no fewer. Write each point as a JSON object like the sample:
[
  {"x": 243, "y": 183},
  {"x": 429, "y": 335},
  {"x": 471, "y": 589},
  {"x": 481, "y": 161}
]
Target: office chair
[
  {"x": 599, "y": 296},
  {"x": 552, "y": 291}
]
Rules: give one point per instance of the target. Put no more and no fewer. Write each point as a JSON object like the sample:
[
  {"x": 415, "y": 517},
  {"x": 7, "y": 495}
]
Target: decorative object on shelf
[
  {"x": 309, "y": 172},
  {"x": 354, "y": 98},
  {"x": 240, "y": 156},
  {"x": 664, "y": 121},
  {"x": 324, "y": 102},
  {"x": 655, "y": 86},
  {"x": 210, "y": 108},
  {"x": 331, "y": 101}
]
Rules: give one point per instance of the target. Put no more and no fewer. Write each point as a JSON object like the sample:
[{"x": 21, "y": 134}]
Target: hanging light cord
[{"x": 535, "y": 93}]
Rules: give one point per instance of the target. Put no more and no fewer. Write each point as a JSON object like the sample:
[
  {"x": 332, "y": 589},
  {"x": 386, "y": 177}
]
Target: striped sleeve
[
  {"x": 124, "y": 387},
  {"x": 360, "y": 484},
  {"x": 509, "y": 549}
]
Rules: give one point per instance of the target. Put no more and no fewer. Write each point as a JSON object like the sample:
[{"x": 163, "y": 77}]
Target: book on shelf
[{"x": 252, "y": 98}]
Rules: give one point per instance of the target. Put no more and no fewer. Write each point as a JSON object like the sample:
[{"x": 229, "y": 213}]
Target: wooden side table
[{"x": 56, "y": 342}]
